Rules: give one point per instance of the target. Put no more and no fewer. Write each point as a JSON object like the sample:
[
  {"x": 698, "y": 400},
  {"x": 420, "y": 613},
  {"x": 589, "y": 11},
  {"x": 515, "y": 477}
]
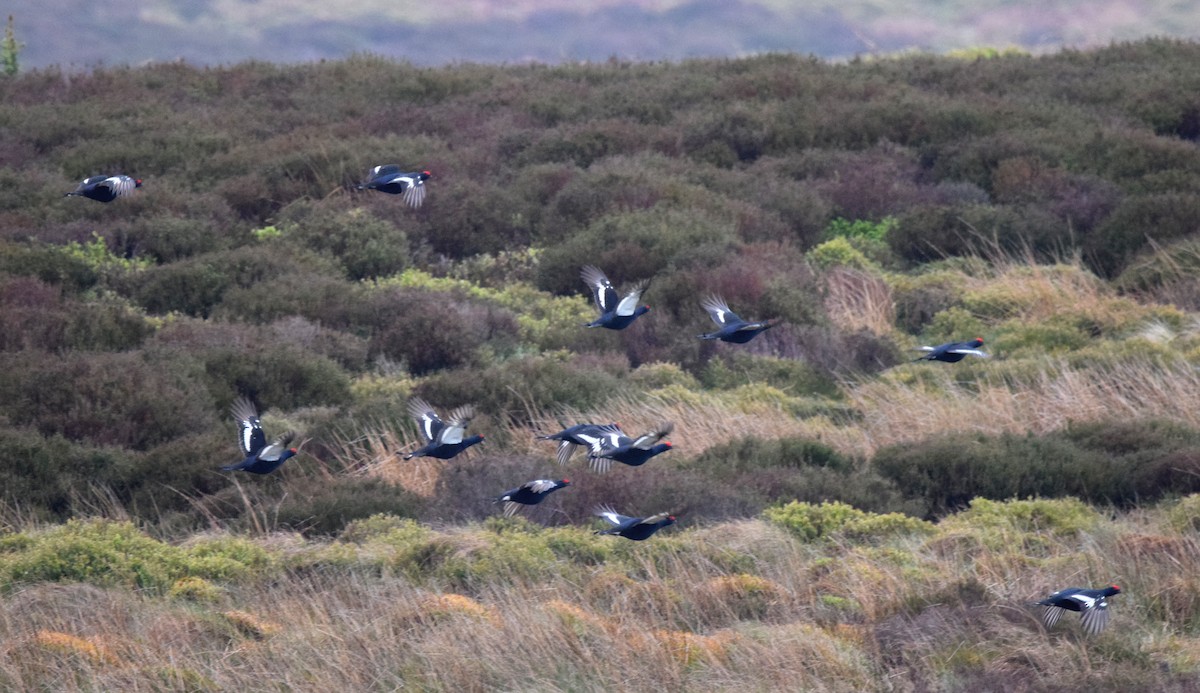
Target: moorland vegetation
[{"x": 847, "y": 520}]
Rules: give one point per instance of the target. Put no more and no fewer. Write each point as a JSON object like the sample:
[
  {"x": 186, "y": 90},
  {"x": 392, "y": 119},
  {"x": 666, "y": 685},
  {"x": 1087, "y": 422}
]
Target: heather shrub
[
  {"x": 196, "y": 285},
  {"x": 919, "y": 298},
  {"x": 322, "y": 506},
  {"x": 51, "y": 478},
  {"x": 364, "y": 244},
  {"x": 1121, "y": 463},
  {"x": 49, "y": 264},
  {"x": 171, "y": 237},
  {"x": 528, "y": 385},
  {"x": 750, "y": 452},
  {"x": 128, "y": 399},
  {"x": 632, "y": 245},
  {"x": 277, "y": 372},
  {"x": 1161, "y": 218},
  {"x": 797, "y": 377},
  {"x": 318, "y": 297},
  {"x": 429, "y": 331}
]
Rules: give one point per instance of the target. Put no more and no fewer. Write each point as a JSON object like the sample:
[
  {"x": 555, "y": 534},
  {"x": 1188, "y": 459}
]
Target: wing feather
[
  {"x": 426, "y": 418},
  {"x": 606, "y": 512},
  {"x": 1051, "y": 615},
  {"x": 649, "y": 440},
  {"x": 719, "y": 311},
  {"x": 603, "y": 292},
  {"x": 414, "y": 195},
  {"x": 251, "y": 438},
  {"x": 629, "y": 304}
]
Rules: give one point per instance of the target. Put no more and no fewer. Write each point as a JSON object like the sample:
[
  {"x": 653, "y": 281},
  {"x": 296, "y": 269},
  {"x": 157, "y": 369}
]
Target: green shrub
[
  {"x": 1064, "y": 516},
  {"x": 1110, "y": 462},
  {"x": 530, "y": 384},
  {"x": 325, "y": 507},
  {"x": 810, "y": 522},
  {"x": 364, "y": 244}
]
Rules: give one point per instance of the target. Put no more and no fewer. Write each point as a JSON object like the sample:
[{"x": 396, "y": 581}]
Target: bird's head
[
  {"x": 1115, "y": 588},
  {"x": 668, "y": 444},
  {"x": 978, "y": 341},
  {"x": 565, "y": 482},
  {"x": 137, "y": 183}
]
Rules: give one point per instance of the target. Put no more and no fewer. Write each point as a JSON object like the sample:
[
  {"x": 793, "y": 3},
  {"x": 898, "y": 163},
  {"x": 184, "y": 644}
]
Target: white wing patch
[{"x": 541, "y": 485}]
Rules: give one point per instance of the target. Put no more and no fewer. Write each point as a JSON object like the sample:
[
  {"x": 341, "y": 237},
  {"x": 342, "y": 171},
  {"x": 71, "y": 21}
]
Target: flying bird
[
  {"x": 614, "y": 314},
  {"x": 1092, "y": 605},
  {"x": 390, "y": 179},
  {"x": 731, "y": 327},
  {"x": 445, "y": 439},
  {"x": 635, "y": 528},
  {"x": 529, "y": 493},
  {"x": 613, "y": 445},
  {"x": 580, "y": 434},
  {"x": 952, "y": 352},
  {"x": 105, "y": 188},
  {"x": 259, "y": 458}
]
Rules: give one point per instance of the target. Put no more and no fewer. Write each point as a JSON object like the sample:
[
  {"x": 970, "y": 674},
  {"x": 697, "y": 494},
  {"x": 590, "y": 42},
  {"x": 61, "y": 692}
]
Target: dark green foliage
[
  {"x": 52, "y": 478},
  {"x": 125, "y": 399},
  {"x": 522, "y": 387},
  {"x": 325, "y": 506},
  {"x": 1138, "y": 220},
  {"x": 364, "y": 244},
  {"x": 1121, "y": 463},
  {"x": 195, "y": 286},
  {"x": 429, "y": 331}
]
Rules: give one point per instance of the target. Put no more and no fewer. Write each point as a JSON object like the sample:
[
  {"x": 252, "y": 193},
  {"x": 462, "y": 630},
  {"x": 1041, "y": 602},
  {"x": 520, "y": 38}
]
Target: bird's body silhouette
[
  {"x": 731, "y": 327},
  {"x": 106, "y": 188},
  {"x": 1092, "y": 605},
  {"x": 634, "y": 528},
  {"x": 952, "y": 352},
  {"x": 574, "y": 436},
  {"x": 390, "y": 179},
  {"x": 444, "y": 439},
  {"x": 258, "y": 456},
  {"x": 612, "y": 445},
  {"x": 529, "y": 493},
  {"x": 615, "y": 313}
]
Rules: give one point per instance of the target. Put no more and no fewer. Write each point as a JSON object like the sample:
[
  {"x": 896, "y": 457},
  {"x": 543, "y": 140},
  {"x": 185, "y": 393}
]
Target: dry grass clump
[
  {"x": 859, "y": 300},
  {"x": 378, "y": 452},
  {"x": 250, "y": 625},
  {"x": 67, "y": 644}
]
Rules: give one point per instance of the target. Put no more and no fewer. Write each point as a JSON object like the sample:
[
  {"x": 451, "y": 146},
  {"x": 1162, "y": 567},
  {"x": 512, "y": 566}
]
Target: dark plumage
[
  {"x": 445, "y": 438},
  {"x": 635, "y": 528},
  {"x": 259, "y": 458},
  {"x": 732, "y": 328},
  {"x": 105, "y": 188},
  {"x": 613, "y": 445},
  {"x": 952, "y": 352},
  {"x": 614, "y": 314},
  {"x": 529, "y": 493},
  {"x": 579, "y": 434},
  {"x": 1092, "y": 605},
  {"x": 390, "y": 179}
]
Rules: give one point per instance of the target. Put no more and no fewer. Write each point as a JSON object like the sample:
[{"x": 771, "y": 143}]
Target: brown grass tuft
[{"x": 67, "y": 644}]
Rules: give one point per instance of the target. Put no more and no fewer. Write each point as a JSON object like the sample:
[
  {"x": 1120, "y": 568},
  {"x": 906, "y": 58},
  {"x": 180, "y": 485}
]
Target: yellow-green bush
[
  {"x": 1062, "y": 516},
  {"x": 810, "y": 521}
]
